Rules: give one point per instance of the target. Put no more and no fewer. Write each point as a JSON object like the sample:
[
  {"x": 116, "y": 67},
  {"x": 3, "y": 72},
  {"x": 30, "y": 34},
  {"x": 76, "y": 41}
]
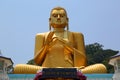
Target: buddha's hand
[
  {"x": 68, "y": 49},
  {"x": 49, "y": 38}
]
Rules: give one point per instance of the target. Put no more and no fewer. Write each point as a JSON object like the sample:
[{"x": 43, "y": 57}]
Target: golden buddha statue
[{"x": 59, "y": 48}]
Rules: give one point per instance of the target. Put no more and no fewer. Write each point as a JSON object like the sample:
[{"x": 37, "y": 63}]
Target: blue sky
[{"x": 20, "y": 20}]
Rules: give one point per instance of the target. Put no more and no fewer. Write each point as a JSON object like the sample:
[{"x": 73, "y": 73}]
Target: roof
[
  {"x": 117, "y": 55},
  {"x": 7, "y": 60},
  {"x": 114, "y": 58}
]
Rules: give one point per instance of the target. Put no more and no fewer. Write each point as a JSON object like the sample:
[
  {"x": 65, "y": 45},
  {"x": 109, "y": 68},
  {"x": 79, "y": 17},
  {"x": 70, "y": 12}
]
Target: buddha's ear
[
  {"x": 49, "y": 19},
  {"x": 68, "y": 19},
  {"x": 49, "y": 24}
]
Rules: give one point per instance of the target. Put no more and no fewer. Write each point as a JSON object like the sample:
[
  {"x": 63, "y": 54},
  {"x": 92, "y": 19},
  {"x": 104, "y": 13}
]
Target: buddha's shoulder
[
  {"x": 77, "y": 33},
  {"x": 41, "y": 34}
]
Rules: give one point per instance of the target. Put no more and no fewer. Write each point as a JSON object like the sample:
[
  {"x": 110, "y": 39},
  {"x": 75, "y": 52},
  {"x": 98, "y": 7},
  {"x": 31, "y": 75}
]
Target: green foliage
[
  {"x": 96, "y": 54},
  {"x": 31, "y": 62},
  {"x": 91, "y": 50}
]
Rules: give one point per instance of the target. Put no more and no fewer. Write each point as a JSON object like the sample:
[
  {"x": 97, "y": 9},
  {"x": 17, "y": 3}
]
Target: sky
[{"x": 21, "y": 20}]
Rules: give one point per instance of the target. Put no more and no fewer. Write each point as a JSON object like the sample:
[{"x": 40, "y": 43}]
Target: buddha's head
[{"x": 58, "y": 18}]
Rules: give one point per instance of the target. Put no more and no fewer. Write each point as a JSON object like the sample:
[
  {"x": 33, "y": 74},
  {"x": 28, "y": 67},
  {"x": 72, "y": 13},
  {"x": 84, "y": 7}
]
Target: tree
[
  {"x": 91, "y": 50},
  {"x": 31, "y": 62},
  {"x": 96, "y": 54}
]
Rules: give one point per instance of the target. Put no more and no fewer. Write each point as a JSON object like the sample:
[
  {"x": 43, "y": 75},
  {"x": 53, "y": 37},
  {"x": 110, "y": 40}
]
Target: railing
[
  {"x": 89, "y": 76},
  {"x": 99, "y": 76},
  {"x": 21, "y": 76}
]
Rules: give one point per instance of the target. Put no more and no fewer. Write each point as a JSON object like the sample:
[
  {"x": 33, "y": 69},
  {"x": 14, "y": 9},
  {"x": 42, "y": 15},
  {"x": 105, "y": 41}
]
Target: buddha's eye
[
  {"x": 61, "y": 15},
  {"x": 54, "y": 15}
]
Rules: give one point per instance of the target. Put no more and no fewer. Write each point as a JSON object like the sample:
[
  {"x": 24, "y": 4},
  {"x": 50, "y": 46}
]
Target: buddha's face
[{"x": 58, "y": 19}]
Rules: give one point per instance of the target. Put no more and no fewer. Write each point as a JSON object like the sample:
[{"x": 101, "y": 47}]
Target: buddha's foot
[
  {"x": 96, "y": 68},
  {"x": 26, "y": 69}
]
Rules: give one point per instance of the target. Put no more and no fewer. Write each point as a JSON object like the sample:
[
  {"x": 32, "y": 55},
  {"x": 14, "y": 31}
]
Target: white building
[
  {"x": 115, "y": 61},
  {"x": 4, "y": 64}
]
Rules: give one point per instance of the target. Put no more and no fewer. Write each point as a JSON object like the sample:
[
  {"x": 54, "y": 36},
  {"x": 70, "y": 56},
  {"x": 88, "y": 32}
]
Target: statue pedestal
[{"x": 59, "y": 74}]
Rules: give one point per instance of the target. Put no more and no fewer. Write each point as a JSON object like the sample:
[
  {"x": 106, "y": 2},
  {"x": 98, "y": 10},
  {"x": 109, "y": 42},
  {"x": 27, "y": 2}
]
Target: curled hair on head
[{"x": 58, "y": 8}]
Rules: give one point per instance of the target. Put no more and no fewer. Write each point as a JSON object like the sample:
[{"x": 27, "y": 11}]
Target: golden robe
[{"x": 66, "y": 52}]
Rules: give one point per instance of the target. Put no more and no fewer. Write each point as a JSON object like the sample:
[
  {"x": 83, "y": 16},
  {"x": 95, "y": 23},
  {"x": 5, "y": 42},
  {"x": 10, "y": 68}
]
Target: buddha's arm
[
  {"x": 79, "y": 51},
  {"x": 39, "y": 50},
  {"x": 42, "y": 42}
]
